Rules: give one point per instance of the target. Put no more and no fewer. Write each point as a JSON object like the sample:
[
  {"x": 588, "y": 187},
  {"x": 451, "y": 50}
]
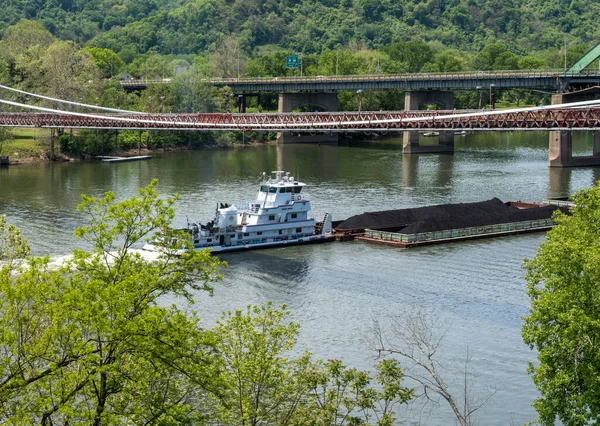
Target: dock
[{"x": 115, "y": 159}]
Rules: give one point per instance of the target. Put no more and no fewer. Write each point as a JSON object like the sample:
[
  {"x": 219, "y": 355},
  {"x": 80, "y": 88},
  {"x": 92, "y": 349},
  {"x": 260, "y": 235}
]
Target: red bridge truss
[{"x": 545, "y": 118}]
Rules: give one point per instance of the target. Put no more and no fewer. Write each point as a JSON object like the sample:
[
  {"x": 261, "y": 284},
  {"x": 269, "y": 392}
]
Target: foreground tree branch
[{"x": 417, "y": 339}]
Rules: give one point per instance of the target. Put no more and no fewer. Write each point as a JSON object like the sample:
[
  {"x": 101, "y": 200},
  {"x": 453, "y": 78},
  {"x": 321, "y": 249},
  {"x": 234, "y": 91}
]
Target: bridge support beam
[
  {"x": 560, "y": 153},
  {"x": 414, "y": 100},
  {"x": 288, "y": 102}
]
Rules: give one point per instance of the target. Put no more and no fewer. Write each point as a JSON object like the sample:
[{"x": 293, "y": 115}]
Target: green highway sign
[{"x": 291, "y": 61}]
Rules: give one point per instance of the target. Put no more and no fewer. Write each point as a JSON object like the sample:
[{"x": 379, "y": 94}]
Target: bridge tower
[
  {"x": 560, "y": 153},
  {"x": 414, "y": 100},
  {"x": 324, "y": 101}
]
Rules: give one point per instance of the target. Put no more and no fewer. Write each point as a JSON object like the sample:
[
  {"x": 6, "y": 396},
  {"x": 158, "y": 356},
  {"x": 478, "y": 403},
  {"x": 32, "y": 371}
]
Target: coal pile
[{"x": 446, "y": 216}]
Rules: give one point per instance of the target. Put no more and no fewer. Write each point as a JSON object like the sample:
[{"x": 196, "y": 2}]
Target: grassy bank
[{"x": 25, "y": 145}]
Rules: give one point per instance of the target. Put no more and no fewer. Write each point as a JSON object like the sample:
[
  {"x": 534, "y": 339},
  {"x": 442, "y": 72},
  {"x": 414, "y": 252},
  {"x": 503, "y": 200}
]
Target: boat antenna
[{"x": 187, "y": 219}]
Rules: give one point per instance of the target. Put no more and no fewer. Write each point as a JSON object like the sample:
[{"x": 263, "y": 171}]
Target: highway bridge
[{"x": 551, "y": 80}]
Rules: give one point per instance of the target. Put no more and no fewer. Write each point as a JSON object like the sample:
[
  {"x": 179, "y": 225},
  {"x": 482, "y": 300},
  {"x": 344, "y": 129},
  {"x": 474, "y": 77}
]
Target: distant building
[
  {"x": 180, "y": 69},
  {"x": 125, "y": 76}
]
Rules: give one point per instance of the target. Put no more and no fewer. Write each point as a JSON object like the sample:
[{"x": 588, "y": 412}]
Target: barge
[{"x": 447, "y": 223}]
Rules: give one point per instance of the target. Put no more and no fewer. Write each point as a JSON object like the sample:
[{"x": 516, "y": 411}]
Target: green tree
[
  {"x": 408, "y": 56},
  {"x": 228, "y": 59},
  {"x": 69, "y": 73},
  {"x": 563, "y": 324},
  {"x": 265, "y": 386},
  {"x": 268, "y": 386},
  {"x": 530, "y": 63},
  {"x": 495, "y": 57},
  {"x": 190, "y": 93},
  {"x": 106, "y": 60},
  {"x": 86, "y": 342}
]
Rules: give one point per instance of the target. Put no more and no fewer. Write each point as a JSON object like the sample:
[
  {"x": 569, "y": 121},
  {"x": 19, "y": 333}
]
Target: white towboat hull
[{"x": 252, "y": 246}]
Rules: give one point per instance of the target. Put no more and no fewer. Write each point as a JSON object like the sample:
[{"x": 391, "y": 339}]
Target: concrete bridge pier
[
  {"x": 560, "y": 153},
  {"x": 414, "y": 100},
  {"x": 323, "y": 101}
]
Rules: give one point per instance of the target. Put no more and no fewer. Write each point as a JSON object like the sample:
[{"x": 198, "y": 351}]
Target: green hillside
[{"x": 309, "y": 26}]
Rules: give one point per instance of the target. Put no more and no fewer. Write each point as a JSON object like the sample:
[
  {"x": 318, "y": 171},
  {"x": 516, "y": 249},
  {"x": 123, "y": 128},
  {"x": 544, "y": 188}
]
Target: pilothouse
[{"x": 280, "y": 215}]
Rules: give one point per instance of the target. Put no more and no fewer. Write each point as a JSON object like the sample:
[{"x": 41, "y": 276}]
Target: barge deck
[{"x": 447, "y": 223}]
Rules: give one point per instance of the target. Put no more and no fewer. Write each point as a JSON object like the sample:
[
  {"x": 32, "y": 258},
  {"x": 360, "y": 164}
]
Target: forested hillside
[{"x": 309, "y": 26}]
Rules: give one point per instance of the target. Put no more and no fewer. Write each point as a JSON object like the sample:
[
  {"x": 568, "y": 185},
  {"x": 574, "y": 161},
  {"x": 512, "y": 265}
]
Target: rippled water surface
[{"x": 336, "y": 290}]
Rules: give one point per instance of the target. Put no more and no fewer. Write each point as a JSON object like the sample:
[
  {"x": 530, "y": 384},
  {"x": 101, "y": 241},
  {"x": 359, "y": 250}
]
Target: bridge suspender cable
[{"x": 69, "y": 102}]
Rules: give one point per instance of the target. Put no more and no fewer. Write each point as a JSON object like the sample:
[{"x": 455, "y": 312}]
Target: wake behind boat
[{"x": 280, "y": 215}]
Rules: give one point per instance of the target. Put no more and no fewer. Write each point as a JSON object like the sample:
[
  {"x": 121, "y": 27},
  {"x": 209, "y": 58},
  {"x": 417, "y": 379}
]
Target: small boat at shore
[{"x": 280, "y": 215}]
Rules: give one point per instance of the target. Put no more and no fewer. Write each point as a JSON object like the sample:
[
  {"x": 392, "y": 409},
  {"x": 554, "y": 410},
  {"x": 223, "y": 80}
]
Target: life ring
[{"x": 299, "y": 197}]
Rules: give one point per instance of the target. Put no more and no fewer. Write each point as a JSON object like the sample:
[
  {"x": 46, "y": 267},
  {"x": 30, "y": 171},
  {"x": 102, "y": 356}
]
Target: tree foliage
[
  {"x": 88, "y": 343},
  {"x": 563, "y": 323}
]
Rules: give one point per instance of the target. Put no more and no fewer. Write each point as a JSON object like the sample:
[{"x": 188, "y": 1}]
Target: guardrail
[{"x": 550, "y": 73}]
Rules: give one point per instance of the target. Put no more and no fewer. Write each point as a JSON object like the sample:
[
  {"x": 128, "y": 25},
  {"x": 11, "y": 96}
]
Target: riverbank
[{"x": 38, "y": 151}]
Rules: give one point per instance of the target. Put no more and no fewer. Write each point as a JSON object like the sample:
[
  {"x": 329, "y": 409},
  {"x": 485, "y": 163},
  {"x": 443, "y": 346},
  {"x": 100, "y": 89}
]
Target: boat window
[
  {"x": 280, "y": 231},
  {"x": 246, "y": 234},
  {"x": 259, "y": 233},
  {"x": 297, "y": 189},
  {"x": 272, "y": 190},
  {"x": 298, "y": 230},
  {"x": 272, "y": 217},
  {"x": 294, "y": 215},
  {"x": 209, "y": 240},
  {"x": 263, "y": 188}
]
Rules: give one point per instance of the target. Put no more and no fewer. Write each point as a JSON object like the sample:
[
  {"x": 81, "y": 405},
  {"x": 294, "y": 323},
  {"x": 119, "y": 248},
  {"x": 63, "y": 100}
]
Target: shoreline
[{"x": 64, "y": 158}]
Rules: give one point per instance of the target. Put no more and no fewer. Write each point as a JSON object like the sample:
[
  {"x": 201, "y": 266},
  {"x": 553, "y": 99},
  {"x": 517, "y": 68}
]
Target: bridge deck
[{"x": 548, "y": 119}]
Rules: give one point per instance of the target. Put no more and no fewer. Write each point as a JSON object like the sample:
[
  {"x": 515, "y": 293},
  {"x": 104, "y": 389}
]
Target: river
[{"x": 336, "y": 290}]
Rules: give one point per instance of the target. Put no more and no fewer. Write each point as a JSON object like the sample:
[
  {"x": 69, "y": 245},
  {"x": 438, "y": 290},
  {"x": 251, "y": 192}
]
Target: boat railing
[{"x": 449, "y": 234}]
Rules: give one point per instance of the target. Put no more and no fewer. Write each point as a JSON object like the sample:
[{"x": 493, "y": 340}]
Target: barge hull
[{"x": 398, "y": 240}]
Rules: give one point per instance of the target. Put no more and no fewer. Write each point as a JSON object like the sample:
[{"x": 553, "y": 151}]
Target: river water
[{"x": 336, "y": 290}]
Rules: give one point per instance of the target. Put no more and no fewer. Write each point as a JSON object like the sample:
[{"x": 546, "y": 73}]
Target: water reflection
[
  {"x": 279, "y": 269},
  {"x": 559, "y": 182}
]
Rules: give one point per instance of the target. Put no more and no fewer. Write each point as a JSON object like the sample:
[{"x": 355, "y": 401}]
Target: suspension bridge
[{"x": 560, "y": 119}]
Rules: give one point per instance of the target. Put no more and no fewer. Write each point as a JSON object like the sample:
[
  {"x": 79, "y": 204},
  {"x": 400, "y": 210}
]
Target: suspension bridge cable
[
  {"x": 69, "y": 102},
  {"x": 298, "y": 126}
]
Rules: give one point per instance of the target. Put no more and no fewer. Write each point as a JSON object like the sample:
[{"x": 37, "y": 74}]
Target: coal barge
[{"x": 447, "y": 223}]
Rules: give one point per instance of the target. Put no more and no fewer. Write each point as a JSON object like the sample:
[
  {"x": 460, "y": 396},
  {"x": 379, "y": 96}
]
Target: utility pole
[
  {"x": 378, "y": 47},
  {"x": 565, "y": 52}
]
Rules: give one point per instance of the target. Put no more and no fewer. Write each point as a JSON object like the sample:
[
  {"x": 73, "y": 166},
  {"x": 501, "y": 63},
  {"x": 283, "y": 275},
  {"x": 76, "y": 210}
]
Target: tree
[
  {"x": 417, "y": 339},
  {"x": 495, "y": 57},
  {"x": 228, "y": 59},
  {"x": 563, "y": 323},
  {"x": 88, "y": 343},
  {"x": 191, "y": 94},
  {"x": 408, "y": 56},
  {"x": 265, "y": 385},
  {"x": 69, "y": 73},
  {"x": 107, "y": 61}
]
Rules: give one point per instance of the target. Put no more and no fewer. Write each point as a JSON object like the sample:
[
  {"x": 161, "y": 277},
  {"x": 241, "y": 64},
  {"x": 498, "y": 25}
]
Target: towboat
[{"x": 280, "y": 215}]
